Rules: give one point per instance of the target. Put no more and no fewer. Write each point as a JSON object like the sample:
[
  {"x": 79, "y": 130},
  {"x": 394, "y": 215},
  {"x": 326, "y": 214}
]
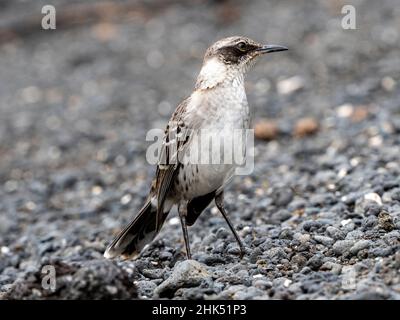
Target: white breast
[{"x": 221, "y": 111}]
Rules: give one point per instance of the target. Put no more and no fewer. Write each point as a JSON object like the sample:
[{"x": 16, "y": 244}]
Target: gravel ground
[{"x": 320, "y": 215}]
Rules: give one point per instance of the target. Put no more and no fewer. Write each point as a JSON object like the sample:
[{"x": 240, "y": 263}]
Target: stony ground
[{"x": 320, "y": 215}]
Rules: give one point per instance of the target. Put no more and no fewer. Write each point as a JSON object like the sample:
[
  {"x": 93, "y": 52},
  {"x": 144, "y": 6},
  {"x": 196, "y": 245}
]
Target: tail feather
[{"x": 136, "y": 235}]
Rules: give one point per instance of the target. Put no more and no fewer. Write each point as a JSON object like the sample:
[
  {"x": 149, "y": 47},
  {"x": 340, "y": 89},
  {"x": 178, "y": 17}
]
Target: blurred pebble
[
  {"x": 305, "y": 127},
  {"x": 290, "y": 85},
  {"x": 266, "y": 129}
]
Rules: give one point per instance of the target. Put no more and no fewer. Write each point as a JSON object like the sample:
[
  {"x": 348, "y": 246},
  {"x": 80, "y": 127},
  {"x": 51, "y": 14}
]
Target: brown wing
[{"x": 174, "y": 142}]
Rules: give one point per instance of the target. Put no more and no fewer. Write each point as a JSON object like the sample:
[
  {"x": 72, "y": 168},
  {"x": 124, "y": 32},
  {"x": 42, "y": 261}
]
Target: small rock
[
  {"x": 326, "y": 241},
  {"x": 360, "y": 245},
  {"x": 341, "y": 246},
  {"x": 286, "y": 234},
  {"x": 345, "y": 110},
  {"x": 299, "y": 260},
  {"x": 367, "y": 206},
  {"x": 302, "y": 237},
  {"x": 373, "y": 197},
  {"x": 290, "y": 85},
  {"x": 316, "y": 261},
  {"x": 282, "y": 196},
  {"x": 280, "y": 216},
  {"x": 240, "y": 292},
  {"x": 312, "y": 225},
  {"x": 222, "y": 233},
  {"x": 360, "y": 113},
  {"x": 4, "y": 250},
  {"x": 266, "y": 130},
  {"x": 332, "y": 267},
  {"x": 287, "y": 283},
  {"x": 385, "y": 221},
  {"x": 262, "y": 284},
  {"x": 355, "y": 235},
  {"x": 369, "y": 222},
  {"x": 345, "y": 222},
  {"x": 145, "y": 288},
  {"x": 320, "y": 200},
  {"x": 382, "y": 251},
  {"x": 188, "y": 273},
  {"x": 388, "y": 84},
  {"x": 305, "y": 127},
  {"x": 335, "y": 233}
]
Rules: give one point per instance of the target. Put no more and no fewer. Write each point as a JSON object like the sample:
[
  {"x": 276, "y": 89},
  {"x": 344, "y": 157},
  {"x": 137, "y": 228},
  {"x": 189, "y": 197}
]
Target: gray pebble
[
  {"x": 360, "y": 245},
  {"x": 326, "y": 241},
  {"x": 341, "y": 246}
]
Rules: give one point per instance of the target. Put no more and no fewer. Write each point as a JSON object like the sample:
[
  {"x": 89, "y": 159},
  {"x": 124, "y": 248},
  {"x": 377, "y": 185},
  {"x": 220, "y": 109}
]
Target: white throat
[{"x": 215, "y": 72}]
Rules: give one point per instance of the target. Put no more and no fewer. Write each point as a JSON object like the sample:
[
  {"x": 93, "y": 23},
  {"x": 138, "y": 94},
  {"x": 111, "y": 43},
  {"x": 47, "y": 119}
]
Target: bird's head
[{"x": 229, "y": 58}]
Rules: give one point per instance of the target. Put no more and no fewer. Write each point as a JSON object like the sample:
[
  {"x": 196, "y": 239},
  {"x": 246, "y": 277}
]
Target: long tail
[{"x": 139, "y": 232}]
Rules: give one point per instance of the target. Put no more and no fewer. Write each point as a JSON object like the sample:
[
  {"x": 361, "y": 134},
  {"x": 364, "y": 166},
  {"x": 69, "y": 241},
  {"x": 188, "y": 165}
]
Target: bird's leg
[
  {"x": 219, "y": 201},
  {"x": 182, "y": 209}
]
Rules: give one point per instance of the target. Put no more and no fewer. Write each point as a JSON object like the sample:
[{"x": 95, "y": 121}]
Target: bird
[{"x": 217, "y": 106}]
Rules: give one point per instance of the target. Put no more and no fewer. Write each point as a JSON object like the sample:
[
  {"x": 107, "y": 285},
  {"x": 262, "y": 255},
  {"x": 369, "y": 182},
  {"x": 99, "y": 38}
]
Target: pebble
[
  {"x": 316, "y": 261},
  {"x": 5, "y": 250},
  {"x": 373, "y": 197},
  {"x": 305, "y": 127},
  {"x": 385, "y": 221},
  {"x": 290, "y": 85},
  {"x": 326, "y": 241},
  {"x": 335, "y": 268},
  {"x": 262, "y": 284},
  {"x": 335, "y": 233},
  {"x": 266, "y": 130},
  {"x": 360, "y": 245},
  {"x": 282, "y": 196},
  {"x": 341, "y": 246},
  {"x": 185, "y": 274}
]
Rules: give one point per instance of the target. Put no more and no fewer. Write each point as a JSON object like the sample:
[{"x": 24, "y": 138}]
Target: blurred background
[{"x": 76, "y": 103}]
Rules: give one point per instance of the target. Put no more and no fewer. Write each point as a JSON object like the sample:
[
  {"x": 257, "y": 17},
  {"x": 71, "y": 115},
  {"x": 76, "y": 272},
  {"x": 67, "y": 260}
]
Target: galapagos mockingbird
[{"x": 218, "y": 104}]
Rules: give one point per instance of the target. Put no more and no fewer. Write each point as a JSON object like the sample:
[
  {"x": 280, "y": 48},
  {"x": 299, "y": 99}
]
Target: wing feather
[{"x": 168, "y": 166}]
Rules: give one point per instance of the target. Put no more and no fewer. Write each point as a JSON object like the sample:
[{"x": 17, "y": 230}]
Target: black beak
[{"x": 271, "y": 48}]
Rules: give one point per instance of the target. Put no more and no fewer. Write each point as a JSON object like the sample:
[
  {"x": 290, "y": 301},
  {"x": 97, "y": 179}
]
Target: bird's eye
[{"x": 241, "y": 46}]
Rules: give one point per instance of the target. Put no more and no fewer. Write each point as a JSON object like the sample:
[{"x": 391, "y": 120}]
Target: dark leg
[
  {"x": 182, "y": 209},
  {"x": 219, "y": 201}
]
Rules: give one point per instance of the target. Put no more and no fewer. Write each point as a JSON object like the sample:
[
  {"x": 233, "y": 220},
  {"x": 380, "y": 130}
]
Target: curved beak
[{"x": 271, "y": 48}]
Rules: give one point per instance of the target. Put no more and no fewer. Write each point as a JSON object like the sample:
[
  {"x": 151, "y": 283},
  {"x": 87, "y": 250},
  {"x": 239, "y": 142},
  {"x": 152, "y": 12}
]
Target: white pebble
[
  {"x": 345, "y": 110},
  {"x": 355, "y": 162},
  {"x": 331, "y": 186},
  {"x": 345, "y": 222},
  {"x": 375, "y": 141},
  {"x": 290, "y": 85},
  {"x": 287, "y": 283},
  {"x": 30, "y": 205},
  {"x": 5, "y": 250},
  {"x": 342, "y": 173},
  {"x": 112, "y": 290},
  {"x": 126, "y": 199},
  {"x": 214, "y": 210},
  {"x": 97, "y": 190},
  {"x": 174, "y": 221},
  {"x": 373, "y": 197}
]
